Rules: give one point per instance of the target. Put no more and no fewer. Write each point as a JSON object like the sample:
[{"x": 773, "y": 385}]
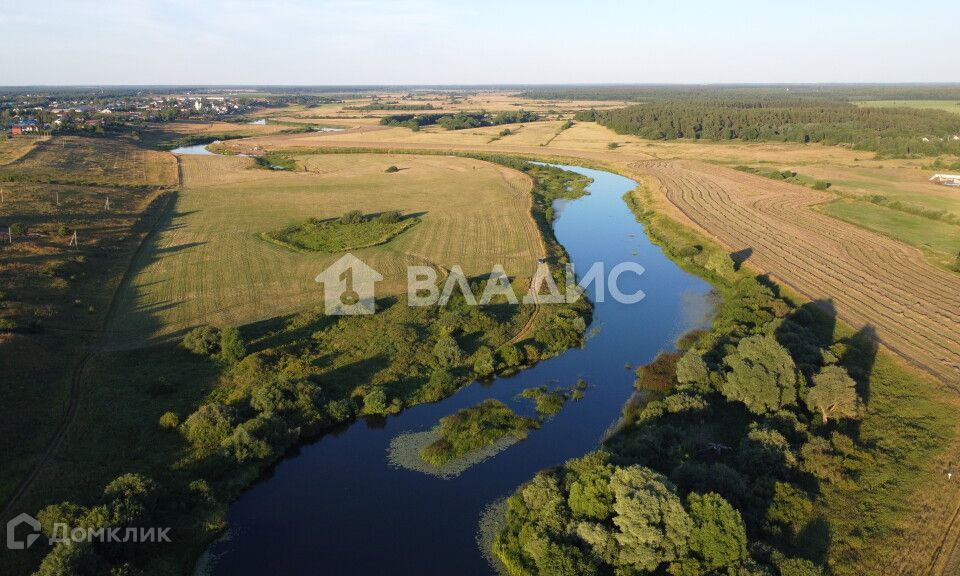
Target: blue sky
[{"x": 493, "y": 41}]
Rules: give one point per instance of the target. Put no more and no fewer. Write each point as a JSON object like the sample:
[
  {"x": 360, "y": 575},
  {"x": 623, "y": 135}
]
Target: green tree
[
  {"x": 834, "y": 394},
  {"x": 483, "y": 363},
  {"x": 208, "y": 426},
  {"x": 718, "y": 538},
  {"x": 232, "y": 347},
  {"x": 652, "y": 526},
  {"x": 375, "y": 401},
  {"x": 762, "y": 375},
  {"x": 447, "y": 351},
  {"x": 203, "y": 340},
  {"x": 691, "y": 369}
]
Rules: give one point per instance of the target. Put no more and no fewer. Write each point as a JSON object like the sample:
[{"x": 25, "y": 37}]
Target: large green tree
[
  {"x": 834, "y": 394},
  {"x": 762, "y": 375}
]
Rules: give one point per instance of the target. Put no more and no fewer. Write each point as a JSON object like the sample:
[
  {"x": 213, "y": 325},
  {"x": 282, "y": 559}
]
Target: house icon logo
[
  {"x": 348, "y": 287},
  {"x": 14, "y": 543}
]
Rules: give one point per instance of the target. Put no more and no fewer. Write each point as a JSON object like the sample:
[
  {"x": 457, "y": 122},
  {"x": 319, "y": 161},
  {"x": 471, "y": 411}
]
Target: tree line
[
  {"x": 459, "y": 120},
  {"x": 888, "y": 131}
]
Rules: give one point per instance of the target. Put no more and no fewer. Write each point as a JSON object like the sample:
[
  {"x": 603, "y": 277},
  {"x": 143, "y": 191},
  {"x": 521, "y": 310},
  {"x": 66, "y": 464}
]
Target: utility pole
[
  {"x": 10, "y": 234},
  {"x": 106, "y": 205},
  {"x": 58, "y": 197},
  {"x": 73, "y": 239}
]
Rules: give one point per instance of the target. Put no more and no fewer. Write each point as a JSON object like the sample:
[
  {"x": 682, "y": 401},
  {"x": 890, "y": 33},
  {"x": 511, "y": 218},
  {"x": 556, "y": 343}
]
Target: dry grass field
[
  {"x": 93, "y": 161},
  {"x": 208, "y": 266},
  {"x": 14, "y": 148},
  {"x": 871, "y": 279}
]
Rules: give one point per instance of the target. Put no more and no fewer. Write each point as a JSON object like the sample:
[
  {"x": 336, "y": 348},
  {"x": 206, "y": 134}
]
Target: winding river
[{"x": 337, "y": 506}]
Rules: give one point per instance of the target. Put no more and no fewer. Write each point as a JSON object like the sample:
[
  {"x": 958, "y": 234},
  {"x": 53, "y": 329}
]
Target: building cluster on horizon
[{"x": 28, "y": 114}]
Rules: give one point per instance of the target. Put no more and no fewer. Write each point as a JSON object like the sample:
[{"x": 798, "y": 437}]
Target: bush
[
  {"x": 391, "y": 170},
  {"x": 612, "y": 146},
  {"x": 375, "y": 401},
  {"x": 169, "y": 420},
  {"x": 389, "y": 217},
  {"x": 820, "y": 185},
  {"x": 353, "y": 217},
  {"x": 203, "y": 340},
  {"x": 210, "y": 425},
  {"x": 232, "y": 348},
  {"x": 18, "y": 229}
]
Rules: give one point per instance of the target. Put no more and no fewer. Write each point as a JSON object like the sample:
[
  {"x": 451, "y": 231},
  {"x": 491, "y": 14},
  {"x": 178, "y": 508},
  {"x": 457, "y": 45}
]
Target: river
[{"x": 337, "y": 506}]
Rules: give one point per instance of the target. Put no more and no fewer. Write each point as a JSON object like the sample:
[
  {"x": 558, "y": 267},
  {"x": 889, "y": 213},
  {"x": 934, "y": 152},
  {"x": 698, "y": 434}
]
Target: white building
[{"x": 946, "y": 179}]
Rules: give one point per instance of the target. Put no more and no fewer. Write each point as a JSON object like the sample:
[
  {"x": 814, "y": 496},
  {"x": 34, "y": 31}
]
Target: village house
[{"x": 23, "y": 127}]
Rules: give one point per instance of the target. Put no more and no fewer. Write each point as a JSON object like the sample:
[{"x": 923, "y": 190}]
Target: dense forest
[
  {"x": 887, "y": 131},
  {"x": 459, "y": 120},
  {"x": 834, "y": 92}
]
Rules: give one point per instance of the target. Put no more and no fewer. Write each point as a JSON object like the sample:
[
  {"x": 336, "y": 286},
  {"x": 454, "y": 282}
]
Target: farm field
[
  {"x": 92, "y": 161},
  {"x": 54, "y": 297},
  {"x": 948, "y": 105},
  {"x": 13, "y": 148},
  {"x": 871, "y": 279},
  {"x": 942, "y": 239},
  {"x": 208, "y": 266}
]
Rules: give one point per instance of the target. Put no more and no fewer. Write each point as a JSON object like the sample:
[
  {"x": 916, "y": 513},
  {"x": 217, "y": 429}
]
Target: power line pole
[
  {"x": 73, "y": 239},
  {"x": 106, "y": 205}
]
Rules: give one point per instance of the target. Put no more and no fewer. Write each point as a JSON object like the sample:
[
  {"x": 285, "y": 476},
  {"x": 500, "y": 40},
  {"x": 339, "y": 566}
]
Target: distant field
[
  {"x": 948, "y": 105},
  {"x": 92, "y": 161},
  {"x": 208, "y": 266},
  {"x": 941, "y": 238}
]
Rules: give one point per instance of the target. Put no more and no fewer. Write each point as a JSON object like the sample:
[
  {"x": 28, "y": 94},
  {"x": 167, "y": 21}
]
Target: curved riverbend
[{"x": 338, "y": 507}]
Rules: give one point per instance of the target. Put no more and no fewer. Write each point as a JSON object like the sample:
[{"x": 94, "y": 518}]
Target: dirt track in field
[{"x": 870, "y": 279}]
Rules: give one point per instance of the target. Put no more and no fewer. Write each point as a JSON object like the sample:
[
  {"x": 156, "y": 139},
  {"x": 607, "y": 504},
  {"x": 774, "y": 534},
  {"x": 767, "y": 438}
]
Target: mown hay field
[
  {"x": 871, "y": 280},
  {"x": 208, "y": 266}
]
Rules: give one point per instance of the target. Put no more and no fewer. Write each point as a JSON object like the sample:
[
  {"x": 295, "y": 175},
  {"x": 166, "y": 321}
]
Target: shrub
[
  {"x": 169, "y": 420},
  {"x": 483, "y": 363},
  {"x": 391, "y": 170},
  {"x": 389, "y": 217},
  {"x": 208, "y": 426},
  {"x": 18, "y": 229},
  {"x": 203, "y": 340},
  {"x": 820, "y": 185},
  {"x": 232, "y": 348},
  {"x": 353, "y": 217},
  {"x": 375, "y": 401},
  {"x": 612, "y": 146}
]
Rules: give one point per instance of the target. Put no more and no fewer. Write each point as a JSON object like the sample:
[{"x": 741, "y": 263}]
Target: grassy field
[
  {"x": 92, "y": 161},
  {"x": 13, "y": 148},
  {"x": 948, "y": 105},
  {"x": 54, "y": 296},
  {"x": 940, "y": 238},
  {"x": 208, "y": 266}
]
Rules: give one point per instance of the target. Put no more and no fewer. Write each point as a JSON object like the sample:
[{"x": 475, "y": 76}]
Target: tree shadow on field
[{"x": 740, "y": 256}]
